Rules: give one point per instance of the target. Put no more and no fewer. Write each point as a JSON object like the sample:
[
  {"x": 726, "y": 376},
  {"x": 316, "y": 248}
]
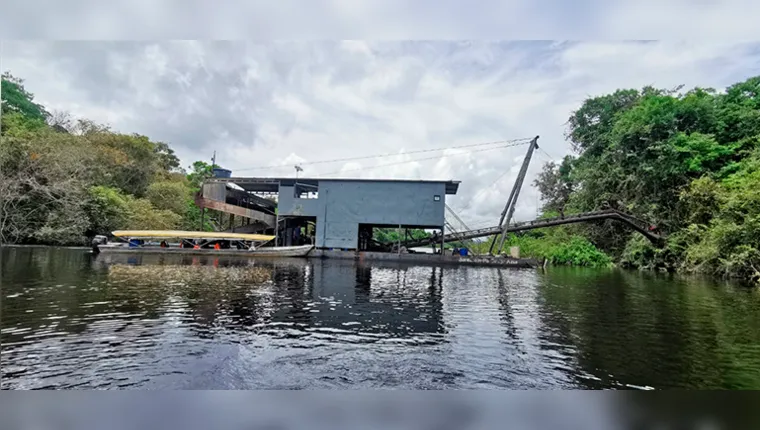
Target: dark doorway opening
[{"x": 296, "y": 230}]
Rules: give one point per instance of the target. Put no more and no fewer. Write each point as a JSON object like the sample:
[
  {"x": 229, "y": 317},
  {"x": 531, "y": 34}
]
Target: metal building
[{"x": 339, "y": 213}]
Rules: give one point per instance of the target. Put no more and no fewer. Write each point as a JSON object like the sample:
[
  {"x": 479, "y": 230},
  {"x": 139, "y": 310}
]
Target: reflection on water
[{"x": 71, "y": 320}]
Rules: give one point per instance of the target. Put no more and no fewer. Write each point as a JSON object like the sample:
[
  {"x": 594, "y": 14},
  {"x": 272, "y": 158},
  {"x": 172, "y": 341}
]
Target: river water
[{"x": 157, "y": 322}]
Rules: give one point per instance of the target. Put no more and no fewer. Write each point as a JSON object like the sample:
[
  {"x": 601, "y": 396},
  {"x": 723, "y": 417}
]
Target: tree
[
  {"x": 60, "y": 121},
  {"x": 143, "y": 216},
  {"x": 43, "y": 181},
  {"x": 670, "y": 158},
  {"x": 555, "y": 185},
  {"x": 64, "y": 180},
  {"x": 199, "y": 172},
  {"x": 589, "y": 126},
  {"x": 15, "y": 98},
  {"x": 107, "y": 209},
  {"x": 171, "y": 196},
  {"x": 167, "y": 159}
]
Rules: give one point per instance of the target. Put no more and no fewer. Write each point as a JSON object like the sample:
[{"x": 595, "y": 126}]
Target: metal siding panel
[
  {"x": 302, "y": 207},
  {"x": 289, "y": 205},
  {"x": 215, "y": 191},
  {"x": 343, "y": 205},
  {"x": 284, "y": 199},
  {"x": 341, "y": 235},
  {"x": 386, "y": 203}
]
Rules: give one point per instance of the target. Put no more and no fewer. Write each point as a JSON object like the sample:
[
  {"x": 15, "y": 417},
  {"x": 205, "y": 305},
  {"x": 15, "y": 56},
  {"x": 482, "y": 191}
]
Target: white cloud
[
  {"x": 263, "y": 104},
  {"x": 356, "y": 46}
]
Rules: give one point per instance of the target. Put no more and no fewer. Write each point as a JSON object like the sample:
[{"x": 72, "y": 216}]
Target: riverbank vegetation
[
  {"x": 686, "y": 161},
  {"x": 63, "y": 180},
  {"x": 557, "y": 246}
]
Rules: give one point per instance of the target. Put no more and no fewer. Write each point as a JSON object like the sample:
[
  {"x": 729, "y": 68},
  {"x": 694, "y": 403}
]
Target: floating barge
[
  {"x": 428, "y": 259},
  {"x": 204, "y": 243}
]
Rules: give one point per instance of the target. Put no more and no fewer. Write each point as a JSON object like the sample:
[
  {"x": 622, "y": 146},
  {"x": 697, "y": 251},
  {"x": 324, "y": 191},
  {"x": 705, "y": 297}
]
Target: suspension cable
[{"x": 523, "y": 140}]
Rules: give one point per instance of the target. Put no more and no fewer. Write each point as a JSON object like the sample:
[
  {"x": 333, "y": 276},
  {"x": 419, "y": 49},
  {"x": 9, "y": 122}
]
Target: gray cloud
[
  {"x": 274, "y": 103},
  {"x": 378, "y": 19}
]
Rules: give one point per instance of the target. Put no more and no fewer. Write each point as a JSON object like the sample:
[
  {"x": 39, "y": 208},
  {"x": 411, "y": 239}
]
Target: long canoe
[
  {"x": 102, "y": 245},
  {"x": 275, "y": 251}
]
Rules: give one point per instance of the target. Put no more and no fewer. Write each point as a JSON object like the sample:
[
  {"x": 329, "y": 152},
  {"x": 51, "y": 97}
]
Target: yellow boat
[
  {"x": 179, "y": 234},
  {"x": 197, "y": 243}
]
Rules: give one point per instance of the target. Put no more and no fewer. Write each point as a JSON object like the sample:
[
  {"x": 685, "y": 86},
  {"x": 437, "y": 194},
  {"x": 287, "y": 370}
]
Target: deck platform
[{"x": 427, "y": 259}]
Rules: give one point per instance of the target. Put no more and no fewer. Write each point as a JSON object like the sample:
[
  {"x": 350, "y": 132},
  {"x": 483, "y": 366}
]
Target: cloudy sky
[{"x": 282, "y": 103}]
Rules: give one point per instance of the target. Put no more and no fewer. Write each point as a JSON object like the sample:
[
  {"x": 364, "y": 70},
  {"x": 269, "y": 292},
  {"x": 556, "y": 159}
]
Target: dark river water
[{"x": 151, "y": 322}]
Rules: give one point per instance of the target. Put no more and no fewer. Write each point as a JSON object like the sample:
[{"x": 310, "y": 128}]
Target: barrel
[{"x": 222, "y": 173}]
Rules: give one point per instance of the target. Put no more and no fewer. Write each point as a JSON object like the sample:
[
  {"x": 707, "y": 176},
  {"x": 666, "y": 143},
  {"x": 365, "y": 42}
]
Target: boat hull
[{"x": 281, "y": 251}]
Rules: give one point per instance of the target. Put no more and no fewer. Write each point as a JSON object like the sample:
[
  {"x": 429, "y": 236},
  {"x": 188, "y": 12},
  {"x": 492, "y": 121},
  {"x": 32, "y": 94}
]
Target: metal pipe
[{"x": 443, "y": 240}]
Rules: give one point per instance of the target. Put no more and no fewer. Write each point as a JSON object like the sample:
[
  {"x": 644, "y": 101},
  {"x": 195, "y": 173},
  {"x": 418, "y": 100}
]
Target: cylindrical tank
[{"x": 222, "y": 173}]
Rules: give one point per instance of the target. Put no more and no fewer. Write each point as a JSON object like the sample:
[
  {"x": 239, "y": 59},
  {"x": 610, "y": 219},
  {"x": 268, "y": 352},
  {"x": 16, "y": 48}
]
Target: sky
[{"x": 260, "y": 104}]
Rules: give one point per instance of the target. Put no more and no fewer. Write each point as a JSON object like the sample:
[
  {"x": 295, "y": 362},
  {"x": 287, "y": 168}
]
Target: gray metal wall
[
  {"x": 214, "y": 191},
  {"x": 343, "y": 205}
]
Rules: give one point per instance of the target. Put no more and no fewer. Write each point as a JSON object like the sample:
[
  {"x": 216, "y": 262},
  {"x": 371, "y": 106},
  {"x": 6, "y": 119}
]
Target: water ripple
[{"x": 70, "y": 321}]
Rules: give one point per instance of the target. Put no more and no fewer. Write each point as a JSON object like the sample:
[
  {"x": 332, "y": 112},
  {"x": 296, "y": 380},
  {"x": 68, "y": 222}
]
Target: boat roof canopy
[{"x": 178, "y": 234}]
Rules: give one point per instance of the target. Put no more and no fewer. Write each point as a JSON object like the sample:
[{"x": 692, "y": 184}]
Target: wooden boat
[{"x": 195, "y": 243}]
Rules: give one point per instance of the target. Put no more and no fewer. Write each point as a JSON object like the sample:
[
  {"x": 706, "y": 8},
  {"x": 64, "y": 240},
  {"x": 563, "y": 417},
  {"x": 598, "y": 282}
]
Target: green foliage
[
  {"x": 42, "y": 183},
  {"x": 169, "y": 195},
  {"x": 727, "y": 216},
  {"x": 192, "y": 218},
  {"x": 68, "y": 180},
  {"x": 177, "y": 196},
  {"x": 14, "y": 124},
  {"x": 555, "y": 184},
  {"x": 167, "y": 159},
  {"x": 391, "y": 234},
  {"x": 143, "y": 216},
  {"x": 107, "y": 209},
  {"x": 558, "y": 245},
  {"x": 687, "y": 162},
  {"x": 128, "y": 162},
  {"x": 642, "y": 254},
  {"x": 200, "y": 171},
  {"x": 577, "y": 252},
  {"x": 15, "y": 98}
]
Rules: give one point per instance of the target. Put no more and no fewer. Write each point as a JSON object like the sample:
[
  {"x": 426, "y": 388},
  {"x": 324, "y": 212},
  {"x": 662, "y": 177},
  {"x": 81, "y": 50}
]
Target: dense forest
[
  {"x": 687, "y": 161},
  {"x": 63, "y": 180}
]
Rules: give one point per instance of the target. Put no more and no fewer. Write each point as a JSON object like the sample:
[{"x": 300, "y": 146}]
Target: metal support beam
[
  {"x": 504, "y": 214},
  {"x": 443, "y": 239},
  {"x": 398, "y": 234},
  {"x": 509, "y": 208},
  {"x": 237, "y": 210},
  {"x": 277, "y": 229}
]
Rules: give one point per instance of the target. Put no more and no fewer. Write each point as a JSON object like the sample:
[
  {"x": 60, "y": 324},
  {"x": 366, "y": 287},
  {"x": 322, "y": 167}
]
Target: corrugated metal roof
[{"x": 272, "y": 184}]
